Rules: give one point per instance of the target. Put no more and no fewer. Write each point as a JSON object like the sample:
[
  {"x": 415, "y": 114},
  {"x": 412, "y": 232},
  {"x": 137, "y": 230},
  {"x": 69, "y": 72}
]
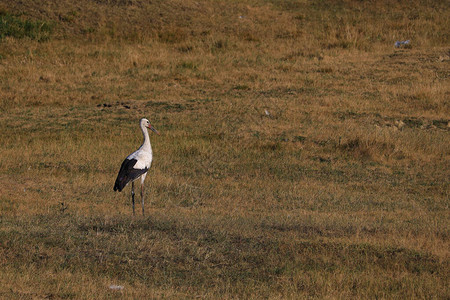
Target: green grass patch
[{"x": 16, "y": 27}]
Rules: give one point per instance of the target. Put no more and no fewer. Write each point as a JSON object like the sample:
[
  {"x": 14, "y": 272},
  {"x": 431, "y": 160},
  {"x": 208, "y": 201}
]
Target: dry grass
[{"x": 340, "y": 191}]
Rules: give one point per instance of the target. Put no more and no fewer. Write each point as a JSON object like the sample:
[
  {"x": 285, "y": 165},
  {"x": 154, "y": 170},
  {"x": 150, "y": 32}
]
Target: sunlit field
[{"x": 301, "y": 155}]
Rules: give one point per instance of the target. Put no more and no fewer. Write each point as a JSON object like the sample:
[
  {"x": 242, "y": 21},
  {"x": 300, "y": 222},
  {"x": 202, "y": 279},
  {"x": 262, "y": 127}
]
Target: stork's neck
[{"x": 146, "y": 144}]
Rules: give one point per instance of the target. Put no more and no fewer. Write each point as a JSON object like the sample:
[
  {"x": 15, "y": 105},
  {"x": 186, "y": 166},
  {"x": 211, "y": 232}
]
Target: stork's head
[{"x": 146, "y": 123}]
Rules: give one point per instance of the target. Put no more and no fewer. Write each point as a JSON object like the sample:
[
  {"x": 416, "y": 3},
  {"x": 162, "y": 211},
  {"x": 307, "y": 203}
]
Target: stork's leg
[
  {"x": 132, "y": 195},
  {"x": 142, "y": 197}
]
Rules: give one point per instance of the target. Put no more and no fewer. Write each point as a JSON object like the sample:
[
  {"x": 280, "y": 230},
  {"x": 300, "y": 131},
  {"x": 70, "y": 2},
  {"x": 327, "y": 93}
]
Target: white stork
[{"x": 136, "y": 164}]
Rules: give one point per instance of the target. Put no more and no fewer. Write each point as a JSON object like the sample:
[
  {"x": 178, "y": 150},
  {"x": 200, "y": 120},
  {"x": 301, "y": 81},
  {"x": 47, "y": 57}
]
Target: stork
[{"x": 136, "y": 164}]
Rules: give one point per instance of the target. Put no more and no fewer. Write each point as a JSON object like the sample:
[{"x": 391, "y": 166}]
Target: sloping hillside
[
  {"x": 301, "y": 155},
  {"x": 343, "y": 24}
]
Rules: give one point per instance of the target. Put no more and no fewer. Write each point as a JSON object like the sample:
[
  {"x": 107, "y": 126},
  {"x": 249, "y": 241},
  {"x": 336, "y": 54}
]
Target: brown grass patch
[{"x": 301, "y": 154}]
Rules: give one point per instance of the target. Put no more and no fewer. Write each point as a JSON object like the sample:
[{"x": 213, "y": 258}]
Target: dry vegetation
[{"x": 340, "y": 190}]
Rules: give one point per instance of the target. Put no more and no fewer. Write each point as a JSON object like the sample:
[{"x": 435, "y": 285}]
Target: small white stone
[{"x": 116, "y": 287}]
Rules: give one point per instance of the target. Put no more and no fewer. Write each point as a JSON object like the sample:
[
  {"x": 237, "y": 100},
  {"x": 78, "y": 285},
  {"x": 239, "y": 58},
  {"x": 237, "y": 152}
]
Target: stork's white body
[{"x": 143, "y": 156}]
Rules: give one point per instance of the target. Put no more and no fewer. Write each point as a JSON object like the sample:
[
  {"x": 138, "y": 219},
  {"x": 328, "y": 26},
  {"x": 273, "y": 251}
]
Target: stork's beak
[{"x": 154, "y": 130}]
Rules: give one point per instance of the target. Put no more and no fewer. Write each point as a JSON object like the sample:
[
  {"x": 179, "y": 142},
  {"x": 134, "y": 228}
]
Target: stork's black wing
[{"x": 127, "y": 173}]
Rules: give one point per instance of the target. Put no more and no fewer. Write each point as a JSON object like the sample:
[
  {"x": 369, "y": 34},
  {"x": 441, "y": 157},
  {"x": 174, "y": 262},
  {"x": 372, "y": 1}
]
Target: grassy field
[{"x": 301, "y": 155}]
